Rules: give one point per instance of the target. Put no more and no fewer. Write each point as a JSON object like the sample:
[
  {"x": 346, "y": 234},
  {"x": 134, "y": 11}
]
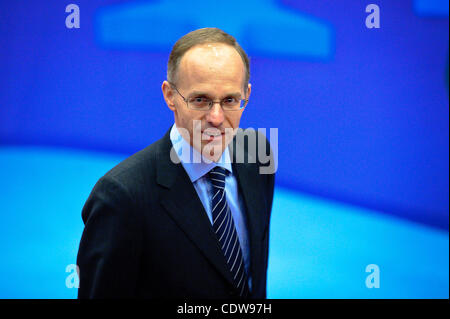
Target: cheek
[
  {"x": 233, "y": 123},
  {"x": 185, "y": 118},
  {"x": 234, "y": 120},
  {"x": 188, "y": 120}
]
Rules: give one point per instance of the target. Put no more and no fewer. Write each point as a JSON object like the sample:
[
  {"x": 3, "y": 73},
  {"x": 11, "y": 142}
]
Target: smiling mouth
[{"x": 210, "y": 136}]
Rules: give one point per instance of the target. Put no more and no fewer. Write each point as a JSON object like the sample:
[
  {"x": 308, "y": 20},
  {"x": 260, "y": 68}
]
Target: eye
[
  {"x": 230, "y": 100},
  {"x": 199, "y": 101}
]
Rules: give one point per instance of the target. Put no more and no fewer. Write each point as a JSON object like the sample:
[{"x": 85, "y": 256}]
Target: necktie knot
[{"x": 217, "y": 177}]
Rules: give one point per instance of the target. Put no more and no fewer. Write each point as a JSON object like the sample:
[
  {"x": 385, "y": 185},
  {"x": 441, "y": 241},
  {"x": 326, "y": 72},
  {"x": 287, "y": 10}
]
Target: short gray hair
[{"x": 203, "y": 36}]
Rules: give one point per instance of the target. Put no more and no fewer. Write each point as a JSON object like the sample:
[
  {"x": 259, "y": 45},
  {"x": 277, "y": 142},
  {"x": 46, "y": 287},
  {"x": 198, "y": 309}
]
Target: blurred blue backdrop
[{"x": 362, "y": 117}]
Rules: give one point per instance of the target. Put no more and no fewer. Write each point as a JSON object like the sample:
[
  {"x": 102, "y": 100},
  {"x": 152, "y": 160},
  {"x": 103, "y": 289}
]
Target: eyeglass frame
[{"x": 211, "y": 103}]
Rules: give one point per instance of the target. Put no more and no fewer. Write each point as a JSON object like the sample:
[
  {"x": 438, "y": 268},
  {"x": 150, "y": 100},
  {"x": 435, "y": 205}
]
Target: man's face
[{"x": 215, "y": 71}]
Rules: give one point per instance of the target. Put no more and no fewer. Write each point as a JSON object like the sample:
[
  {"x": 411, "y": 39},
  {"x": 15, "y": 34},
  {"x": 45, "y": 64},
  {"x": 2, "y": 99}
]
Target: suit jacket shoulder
[{"x": 147, "y": 235}]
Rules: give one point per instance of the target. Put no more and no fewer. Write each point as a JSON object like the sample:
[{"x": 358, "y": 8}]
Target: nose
[{"x": 215, "y": 115}]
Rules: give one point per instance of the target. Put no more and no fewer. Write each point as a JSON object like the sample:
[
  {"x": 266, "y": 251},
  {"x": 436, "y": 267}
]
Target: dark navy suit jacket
[{"x": 147, "y": 234}]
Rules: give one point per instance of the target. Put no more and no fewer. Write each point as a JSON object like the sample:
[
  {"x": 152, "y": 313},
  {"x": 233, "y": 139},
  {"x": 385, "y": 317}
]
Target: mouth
[{"x": 212, "y": 135}]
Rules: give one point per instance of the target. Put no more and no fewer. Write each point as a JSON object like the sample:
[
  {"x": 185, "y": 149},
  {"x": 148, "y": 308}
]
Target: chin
[{"x": 213, "y": 151}]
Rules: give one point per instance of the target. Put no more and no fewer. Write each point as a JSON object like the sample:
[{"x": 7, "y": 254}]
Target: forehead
[{"x": 211, "y": 65}]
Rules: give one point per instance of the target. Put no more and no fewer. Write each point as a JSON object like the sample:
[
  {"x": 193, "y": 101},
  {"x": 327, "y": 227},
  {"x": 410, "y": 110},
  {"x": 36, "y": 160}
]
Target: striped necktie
[{"x": 225, "y": 230}]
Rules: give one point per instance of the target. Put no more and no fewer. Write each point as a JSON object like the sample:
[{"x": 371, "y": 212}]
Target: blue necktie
[{"x": 225, "y": 230}]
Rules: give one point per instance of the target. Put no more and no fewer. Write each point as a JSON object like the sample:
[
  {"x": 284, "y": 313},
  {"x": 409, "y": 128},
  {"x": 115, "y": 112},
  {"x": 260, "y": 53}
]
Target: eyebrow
[{"x": 196, "y": 93}]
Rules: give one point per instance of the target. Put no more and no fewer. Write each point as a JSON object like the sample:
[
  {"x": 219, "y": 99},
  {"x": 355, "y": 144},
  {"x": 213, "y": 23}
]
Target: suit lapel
[
  {"x": 182, "y": 203},
  {"x": 246, "y": 174}
]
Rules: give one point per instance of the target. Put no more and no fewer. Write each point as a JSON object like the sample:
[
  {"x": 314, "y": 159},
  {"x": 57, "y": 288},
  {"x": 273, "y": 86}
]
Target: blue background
[{"x": 362, "y": 118}]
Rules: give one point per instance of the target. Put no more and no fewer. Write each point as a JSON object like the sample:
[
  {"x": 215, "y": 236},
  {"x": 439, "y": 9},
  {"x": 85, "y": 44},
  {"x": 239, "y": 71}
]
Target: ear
[
  {"x": 169, "y": 95},
  {"x": 249, "y": 90}
]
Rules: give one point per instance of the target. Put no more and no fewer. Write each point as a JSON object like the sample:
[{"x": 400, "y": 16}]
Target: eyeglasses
[{"x": 202, "y": 103}]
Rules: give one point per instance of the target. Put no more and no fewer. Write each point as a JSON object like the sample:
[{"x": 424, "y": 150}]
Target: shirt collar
[{"x": 195, "y": 164}]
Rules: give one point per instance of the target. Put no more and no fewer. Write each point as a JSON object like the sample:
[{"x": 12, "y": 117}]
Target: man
[{"x": 185, "y": 218}]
